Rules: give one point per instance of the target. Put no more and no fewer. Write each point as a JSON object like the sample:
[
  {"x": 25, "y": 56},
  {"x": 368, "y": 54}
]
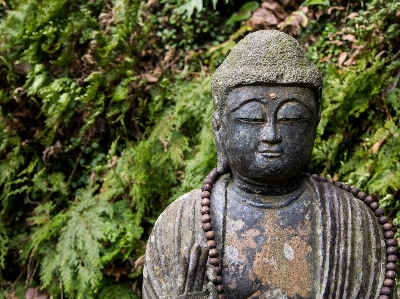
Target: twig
[
  {"x": 394, "y": 57},
  {"x": 77, "y": 161},
  {"x": 28, "y": 267},
  {"x": 18, "y": 278},
  {"x": 172, "y": 62},
  {"x": 394, "y": 85}
]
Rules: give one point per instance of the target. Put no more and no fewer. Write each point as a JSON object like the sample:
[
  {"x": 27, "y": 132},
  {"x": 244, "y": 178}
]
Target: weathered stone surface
[{"x": 323, "y": 244}]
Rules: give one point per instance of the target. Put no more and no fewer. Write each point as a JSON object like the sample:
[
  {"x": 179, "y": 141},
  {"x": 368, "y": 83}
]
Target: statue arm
[{"x": 176, "y": 256}]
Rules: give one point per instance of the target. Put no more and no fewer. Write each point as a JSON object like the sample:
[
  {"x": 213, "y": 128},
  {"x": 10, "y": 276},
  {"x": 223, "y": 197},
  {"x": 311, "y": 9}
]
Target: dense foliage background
[{"x": 105, "y": 118}]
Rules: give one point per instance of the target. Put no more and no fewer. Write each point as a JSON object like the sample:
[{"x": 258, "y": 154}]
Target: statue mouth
[{"x": 271, "y": 154}]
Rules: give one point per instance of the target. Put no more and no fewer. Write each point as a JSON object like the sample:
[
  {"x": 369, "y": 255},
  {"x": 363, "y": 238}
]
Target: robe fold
[{"x": 349, "y": 257}]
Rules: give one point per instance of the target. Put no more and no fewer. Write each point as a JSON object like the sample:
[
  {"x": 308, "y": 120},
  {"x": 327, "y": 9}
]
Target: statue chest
[{"x": 269, "y": 253}]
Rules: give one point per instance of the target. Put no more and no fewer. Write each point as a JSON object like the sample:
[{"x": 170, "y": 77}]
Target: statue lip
[{"x": 271, "y": 154}]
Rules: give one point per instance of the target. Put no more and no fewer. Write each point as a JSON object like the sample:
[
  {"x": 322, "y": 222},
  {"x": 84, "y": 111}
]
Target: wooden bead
[
  {"x": 379, "y": 212},
  {"x": 205, "y": 210},
  {"x": 385, "y": 291},
  {"x": 388, "y": 283},
  {"x": 391, "y": 250},
  {"x": 369, "y": 199},
  {"x": 214, "y": 262},
  {"x": 221, "y": 296},
  {"x": 205, "y": 194},
  {"x": 387, "y": 226},
  {"x": 392, "y": 258},
  {"x": 219, "y": 280},
  {"x": 361, "y": 195},
  {"x": 220, "y": 288},
  {"x": 206, "y": 218},
  {"x": 206, "y": 187},
  {"x": 373, "y": 206},
  {"x": 315, "y": 176},
  {"x": 391, "y": 242},
  {"x": 208, "y": 182},
  {"x": 339, "y": 184},
  {"x": 218, "y": 270},
  {"x": 205, "y": 202},
  {"x": 213, "y": 253},
  {"x": 354, "y": 191},
  {"x": 212, "y": 175},
  {"x": 390, "y": 266},
  {"x": 346, "y": 187},
  {"x": 389, "y": 234},
  {"x": 383, "y": 297},
  {"x": 382, "y": 220},
  {"x": 330, "y": 181},
  {"x": 390, "y": 274},
  {"x": 211, "y": 244},
  {"x": 322, "y": 179},
  {"x": 207, "y": 227},
  {"x": 210, "y": 235}
]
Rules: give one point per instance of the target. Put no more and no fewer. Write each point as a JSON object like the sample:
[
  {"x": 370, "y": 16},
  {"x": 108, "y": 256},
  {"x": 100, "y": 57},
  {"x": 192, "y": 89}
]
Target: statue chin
[{"x": 268, "y": 175}]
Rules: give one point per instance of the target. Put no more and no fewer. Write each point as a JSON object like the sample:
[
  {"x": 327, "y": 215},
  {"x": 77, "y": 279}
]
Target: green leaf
[
  {"x": 316, "y": 2},
  {"x": 244, "y": 12},
  {"x": 189, "y": 7},
  {"x": 249, "y": 6},
  {"x": 239, "y": 16}
]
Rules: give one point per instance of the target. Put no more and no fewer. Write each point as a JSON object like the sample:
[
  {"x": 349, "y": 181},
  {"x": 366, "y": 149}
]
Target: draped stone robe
[{"x": 346, "y": 251}]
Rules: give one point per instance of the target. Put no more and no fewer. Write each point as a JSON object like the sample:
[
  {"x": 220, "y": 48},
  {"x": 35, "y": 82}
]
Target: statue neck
[
  {"x": 266, "y": 195},
  {"x": 257, "y": 188}
]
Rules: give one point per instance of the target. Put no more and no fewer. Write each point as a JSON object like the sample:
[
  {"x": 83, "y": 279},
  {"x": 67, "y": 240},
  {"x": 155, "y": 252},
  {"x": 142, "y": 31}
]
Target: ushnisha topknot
[{"x": 265, "y": 57}]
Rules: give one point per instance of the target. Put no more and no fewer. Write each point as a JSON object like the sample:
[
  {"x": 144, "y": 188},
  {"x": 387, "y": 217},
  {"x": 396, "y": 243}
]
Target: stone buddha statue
[{"x": 272, "y": 231}]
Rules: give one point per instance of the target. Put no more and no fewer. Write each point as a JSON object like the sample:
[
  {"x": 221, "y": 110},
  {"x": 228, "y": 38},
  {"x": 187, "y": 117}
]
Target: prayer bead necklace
[{"x": 369, "y": 200}]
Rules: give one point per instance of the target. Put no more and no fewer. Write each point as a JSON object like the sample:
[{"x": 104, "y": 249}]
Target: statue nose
[{"x": 270, "y": 133}]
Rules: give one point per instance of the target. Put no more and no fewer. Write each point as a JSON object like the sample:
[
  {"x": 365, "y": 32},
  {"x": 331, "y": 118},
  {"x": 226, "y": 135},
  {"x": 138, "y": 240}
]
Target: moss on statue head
[{"x": 265, "y": 57}]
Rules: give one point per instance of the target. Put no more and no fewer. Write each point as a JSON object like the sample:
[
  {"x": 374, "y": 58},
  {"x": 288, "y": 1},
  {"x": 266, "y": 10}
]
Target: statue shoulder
[
  {"x": 331, "y": 192},
  {"x": 180, "y": 207}
]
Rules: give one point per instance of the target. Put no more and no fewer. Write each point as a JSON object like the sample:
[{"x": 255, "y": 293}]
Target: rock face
[{"x": 275, "y": 232}]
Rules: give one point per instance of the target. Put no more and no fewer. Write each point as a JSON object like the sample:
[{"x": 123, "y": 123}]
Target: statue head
[{"x": 266, "y": 98}]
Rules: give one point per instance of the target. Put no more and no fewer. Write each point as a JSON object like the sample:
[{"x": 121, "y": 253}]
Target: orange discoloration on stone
[
  {"x": 242, "y": 242},
  {"x": 238, "y": 248},
  {"x": 282, "y": 261}
]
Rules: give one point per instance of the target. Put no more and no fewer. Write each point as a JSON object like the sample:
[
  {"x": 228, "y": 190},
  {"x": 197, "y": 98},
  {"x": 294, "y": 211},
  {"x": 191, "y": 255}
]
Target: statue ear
[{"x": 222, "y": 165}]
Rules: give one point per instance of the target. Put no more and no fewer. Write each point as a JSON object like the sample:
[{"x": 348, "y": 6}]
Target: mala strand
[{"x": 369, "y": 200}]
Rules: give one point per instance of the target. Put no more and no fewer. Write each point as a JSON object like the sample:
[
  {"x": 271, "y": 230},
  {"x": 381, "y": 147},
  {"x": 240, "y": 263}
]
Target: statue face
[{"x": 267, "y": 132}]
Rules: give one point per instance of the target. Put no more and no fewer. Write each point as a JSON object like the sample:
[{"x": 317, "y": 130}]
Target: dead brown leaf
[
  {"x": 262, "y": 19},
  {"x": 334, "y": 7},
  {"x": 36, "y": 293},
  {"x": 342, "y": 58},
  {"x": 52, "y": 151},
  {"x": 18, "y": 92},
  {"x": 349, "y": 37},
  {"x": 150, "y": 78},
  {"x": 336, "y": 42},
  {"x": 138, "y": 264},
  {"x": 377, "y": 145},
  {"x": 115, "y": 271},
  {"x": 352, "y": 15},
  {"x": 275, "y": 8}
]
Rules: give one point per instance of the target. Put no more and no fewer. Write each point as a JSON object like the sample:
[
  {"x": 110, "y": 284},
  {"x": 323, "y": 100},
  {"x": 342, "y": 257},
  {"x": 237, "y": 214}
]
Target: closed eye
[
  {"x": 293, "y": 119},
  {"x": 251, "y": 120}
]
